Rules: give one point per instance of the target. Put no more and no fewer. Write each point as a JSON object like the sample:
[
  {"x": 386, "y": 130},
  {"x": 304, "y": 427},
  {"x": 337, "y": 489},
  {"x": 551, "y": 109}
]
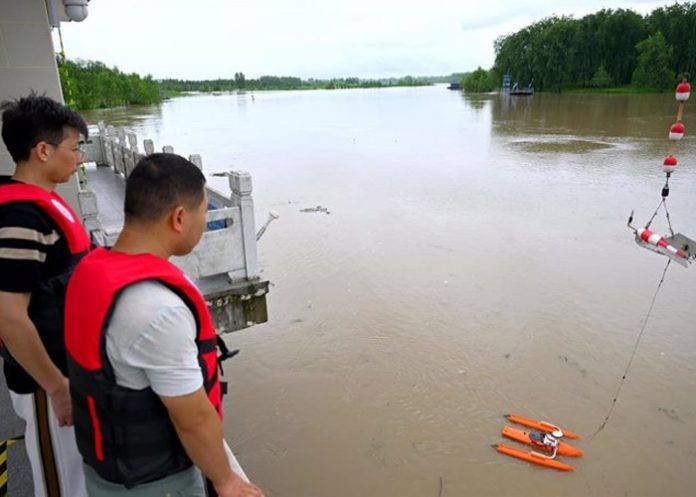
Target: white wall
[{"x": 27, "y": 62}]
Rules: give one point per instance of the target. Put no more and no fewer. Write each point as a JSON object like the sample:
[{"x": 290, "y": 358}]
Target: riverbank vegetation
[
  {"x": 240, "y": 82},
  {"x": 610, "y": 50},
  {"x": 92, "y": 85}
]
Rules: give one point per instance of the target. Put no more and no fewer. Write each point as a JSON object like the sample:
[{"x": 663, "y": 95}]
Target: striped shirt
[{"x": 32, "y": 249}]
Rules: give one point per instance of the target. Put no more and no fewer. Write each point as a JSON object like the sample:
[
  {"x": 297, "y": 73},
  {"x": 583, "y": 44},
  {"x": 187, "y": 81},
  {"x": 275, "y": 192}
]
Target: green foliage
[
  {"x": 239, "y": 80},
  {"x": 91, "y": 85},
  {"x": 677, "y": 23},
  {"x": 479, "y": 81},
  {"x": 455, "y": 76},
  {"x": 654, "y": 64},
  {"x": 601, "y": 78},
  {"x": 600, "y": 49},
  {"x": 283, "y": 83}
]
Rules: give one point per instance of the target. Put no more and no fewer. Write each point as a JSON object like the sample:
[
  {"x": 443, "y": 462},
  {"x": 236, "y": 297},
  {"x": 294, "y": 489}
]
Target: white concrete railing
[{"x": 229, "y": 249}]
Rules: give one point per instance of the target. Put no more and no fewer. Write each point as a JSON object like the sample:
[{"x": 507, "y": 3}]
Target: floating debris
[{"x": 318, "y": 208}]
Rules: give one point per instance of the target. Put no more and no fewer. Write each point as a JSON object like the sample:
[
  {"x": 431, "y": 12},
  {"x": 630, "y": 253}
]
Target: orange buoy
[
  {"x": 539, "y": 425},
  {"x": 530, "y": 438},
  {"x": 533, "y": 457}
]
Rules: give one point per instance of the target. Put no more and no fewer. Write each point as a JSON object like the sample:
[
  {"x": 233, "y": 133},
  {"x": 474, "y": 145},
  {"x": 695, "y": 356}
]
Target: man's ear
[
  {"x": 43, "y": 151},
  {"x": 177, "y": 218}
]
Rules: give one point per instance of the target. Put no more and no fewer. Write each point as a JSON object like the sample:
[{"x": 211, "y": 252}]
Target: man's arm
[
  {"x": 21, "y": 338},
  {"x": 200, "y": 431}
]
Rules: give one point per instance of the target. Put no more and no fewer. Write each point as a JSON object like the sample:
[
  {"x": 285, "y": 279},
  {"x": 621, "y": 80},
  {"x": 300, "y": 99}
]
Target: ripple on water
[{"x": 562, "y": 145}]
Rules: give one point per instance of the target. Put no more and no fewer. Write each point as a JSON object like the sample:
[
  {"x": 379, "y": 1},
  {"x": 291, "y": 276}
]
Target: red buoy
[
  {"x": 676, "y": 132},
  {"x": 683, "y": 91},
  {"x": 670, "y": 164}
]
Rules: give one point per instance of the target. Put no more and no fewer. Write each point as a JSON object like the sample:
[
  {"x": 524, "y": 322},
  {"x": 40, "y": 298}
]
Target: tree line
[
  {"x": 240, "y": 82},
  {"x": 92, "y": 85},
  {"x": 610, "y": 48}
]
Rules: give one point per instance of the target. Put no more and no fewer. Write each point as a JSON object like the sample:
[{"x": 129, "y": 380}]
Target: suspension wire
[
  {"x": 654, "y": 214},
  {"x": 633, "y": 354},
  {"x": 663, "y": 203},
  {"x": 669, "y": 222}
]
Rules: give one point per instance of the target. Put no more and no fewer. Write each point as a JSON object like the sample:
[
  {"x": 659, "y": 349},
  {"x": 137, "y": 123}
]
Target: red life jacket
[
  {"x": 126, "y": 435},
  {"x": 46, "y": 306},
  {"x": 50, "y": 203}
]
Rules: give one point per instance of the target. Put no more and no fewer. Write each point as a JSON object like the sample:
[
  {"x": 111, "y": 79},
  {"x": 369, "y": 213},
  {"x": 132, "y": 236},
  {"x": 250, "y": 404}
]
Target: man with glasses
[{"x": 41, "y": 241}]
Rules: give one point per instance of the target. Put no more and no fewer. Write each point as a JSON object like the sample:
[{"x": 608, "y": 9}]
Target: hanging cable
[
  {"x": 633, "y": 354},
  {"x": 663, "y": 203},
  {"x": 654, "y": 214},
  {"x": 669, "y": 221}
]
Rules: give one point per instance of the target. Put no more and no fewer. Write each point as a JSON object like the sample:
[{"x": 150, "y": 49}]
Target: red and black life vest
[
  {"x": 126, "y": 435},
  {"x": 53, "y": 205},
  {"x": 46, "y": 305}
]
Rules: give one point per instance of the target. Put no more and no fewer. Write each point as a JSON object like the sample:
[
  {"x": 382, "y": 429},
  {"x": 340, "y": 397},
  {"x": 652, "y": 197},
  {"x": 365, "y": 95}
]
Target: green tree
[
  {"x": 479, "y": 81},
  {"x": 655, "y": 64},
  {"x": 601, "y": 78},
  {"x": 239, "y": 80},
  {"x": 90, "y": 85},
  {"x": 677, "y": 23},
  {"x": 562, "y": 52}
]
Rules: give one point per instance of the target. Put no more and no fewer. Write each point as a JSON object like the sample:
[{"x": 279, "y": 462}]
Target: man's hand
[
  {"x": 60, "y": 402},
  {"x": 22, "y": 340},
  {"x": 200, "y": 431},
  {"x": 236, "y": 487}
]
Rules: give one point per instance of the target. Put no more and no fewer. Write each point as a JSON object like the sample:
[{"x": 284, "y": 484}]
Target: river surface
[{"x": 474, "y": 261}]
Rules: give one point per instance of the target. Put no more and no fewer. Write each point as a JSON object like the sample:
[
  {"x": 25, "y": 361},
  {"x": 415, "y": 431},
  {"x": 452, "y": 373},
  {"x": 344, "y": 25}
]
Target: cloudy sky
[{"x": 201, "y": 39}]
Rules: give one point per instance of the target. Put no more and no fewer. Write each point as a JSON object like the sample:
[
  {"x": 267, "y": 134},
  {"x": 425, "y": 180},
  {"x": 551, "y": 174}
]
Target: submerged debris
[
  {"x": 562, "y": 146},
  {"x": 671, "y": 414}
]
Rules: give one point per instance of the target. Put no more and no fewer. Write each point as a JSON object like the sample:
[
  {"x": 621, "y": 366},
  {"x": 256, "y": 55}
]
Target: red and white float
[
  {"x": 676, "y": 132},
  {"x": 683, "y": 92}
]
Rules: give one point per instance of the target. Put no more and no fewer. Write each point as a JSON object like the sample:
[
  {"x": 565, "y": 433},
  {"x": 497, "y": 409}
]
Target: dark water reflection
[{"x": 475, "y": 262}]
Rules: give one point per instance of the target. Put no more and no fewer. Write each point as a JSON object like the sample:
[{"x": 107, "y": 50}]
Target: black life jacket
[
  {"x": 46, "y": 305},
  {"x": 126, "y": 435}
]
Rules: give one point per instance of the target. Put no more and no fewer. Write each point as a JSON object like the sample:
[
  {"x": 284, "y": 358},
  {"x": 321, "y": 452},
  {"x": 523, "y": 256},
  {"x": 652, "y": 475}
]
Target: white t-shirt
[{"x": 150, "y": 341}]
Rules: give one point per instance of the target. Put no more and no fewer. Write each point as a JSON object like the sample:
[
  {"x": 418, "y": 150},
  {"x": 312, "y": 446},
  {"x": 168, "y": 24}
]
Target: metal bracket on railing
[{"x": 271, "y": 216}]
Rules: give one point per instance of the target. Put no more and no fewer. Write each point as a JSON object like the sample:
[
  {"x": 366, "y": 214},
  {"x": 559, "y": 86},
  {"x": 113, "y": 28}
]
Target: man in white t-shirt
[
  {"x": 149, "y": 408},
  {"x": 150, "y": 341}
]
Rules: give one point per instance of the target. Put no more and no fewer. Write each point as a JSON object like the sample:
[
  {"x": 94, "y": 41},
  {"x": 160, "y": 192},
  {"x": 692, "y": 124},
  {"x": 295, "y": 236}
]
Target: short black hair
[
  {"x": 160, "y": 182},
  {"x": 36, "y": 118}
]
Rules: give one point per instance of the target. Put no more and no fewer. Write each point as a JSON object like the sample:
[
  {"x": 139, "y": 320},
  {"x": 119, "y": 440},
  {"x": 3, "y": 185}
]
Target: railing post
[
  {"x": 240, "y": 184},
  {"x": 109, "y": 147},
  {"x": 102, "y": 145},
  {"x": 149, "y": 146},
  {"x": 137, "y": 156},
  {"x": 131, "y": 153},
  {"x": 123, "y": 146},
  {"x": 168, "y": 149},
  {"x": 118, "y": 155},
  {"x": 197, "y": 160}
]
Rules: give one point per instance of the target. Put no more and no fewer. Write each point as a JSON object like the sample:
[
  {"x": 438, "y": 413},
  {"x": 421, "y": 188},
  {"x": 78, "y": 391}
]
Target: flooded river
[{"x": 474, "y": 261}]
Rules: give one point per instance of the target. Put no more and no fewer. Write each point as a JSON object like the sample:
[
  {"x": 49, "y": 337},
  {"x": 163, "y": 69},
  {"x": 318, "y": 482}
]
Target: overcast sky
[{"x": 203, "y": 39}]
